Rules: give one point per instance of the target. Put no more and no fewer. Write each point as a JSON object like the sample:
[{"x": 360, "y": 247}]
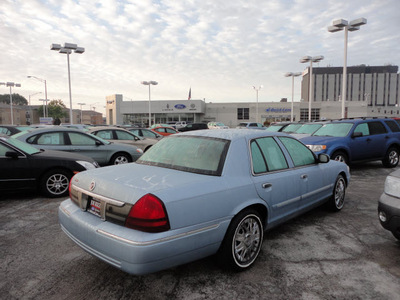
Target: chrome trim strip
[
  {"x": 166, "y": 239},
  {"x": 99, "y": 197},
  {"x": 317, "y": 191},
  {"x": 287, "y": 202}
]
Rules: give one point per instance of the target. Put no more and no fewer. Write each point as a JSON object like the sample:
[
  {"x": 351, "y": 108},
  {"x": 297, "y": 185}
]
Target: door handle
[
  {"x": 266, "y": 185},
  {"x": 304, "y": 176},
  {"x": 368, "y": 140}
]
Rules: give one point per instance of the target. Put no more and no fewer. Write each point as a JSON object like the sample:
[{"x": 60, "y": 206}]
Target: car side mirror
[
  {"x": 323, "y": 158},
  {"x": 98, "y": 143},
  {"x": 357, "y": 134},
  {"x": 12, "y": 154}
]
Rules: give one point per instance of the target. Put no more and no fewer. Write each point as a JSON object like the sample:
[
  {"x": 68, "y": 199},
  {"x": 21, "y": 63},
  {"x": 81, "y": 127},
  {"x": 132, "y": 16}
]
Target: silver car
[
  {"x": 74, "y": 140},
  {"x": 119, "y": 135}
]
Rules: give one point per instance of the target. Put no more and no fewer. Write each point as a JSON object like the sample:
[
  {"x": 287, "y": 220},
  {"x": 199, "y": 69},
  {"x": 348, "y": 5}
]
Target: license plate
[{"x": 94, "y": 207}]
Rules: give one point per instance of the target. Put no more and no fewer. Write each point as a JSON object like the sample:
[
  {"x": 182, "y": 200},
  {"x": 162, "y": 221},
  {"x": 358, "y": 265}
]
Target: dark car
[
  {"x": 23, "y": 167},
  {"x": 13, "y": 129},
  {"x": 194, "y": 126},
  {"x": 389, "y": 204}
]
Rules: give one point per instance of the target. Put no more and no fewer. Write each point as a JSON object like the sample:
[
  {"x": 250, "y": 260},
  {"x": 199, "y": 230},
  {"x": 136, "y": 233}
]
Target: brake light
[
  {"x": 69, "y": 186},
  {"x": 148, "y": 214}
]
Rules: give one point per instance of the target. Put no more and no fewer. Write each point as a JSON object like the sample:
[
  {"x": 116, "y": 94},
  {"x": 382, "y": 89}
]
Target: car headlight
[
  {"x": 392, "y": 186},
  {"x": 87, "y": 165},
  {"x": 316, "y": 148}
]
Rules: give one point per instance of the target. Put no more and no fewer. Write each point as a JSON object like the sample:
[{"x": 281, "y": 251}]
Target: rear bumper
[{"x": 139, "y": 252}]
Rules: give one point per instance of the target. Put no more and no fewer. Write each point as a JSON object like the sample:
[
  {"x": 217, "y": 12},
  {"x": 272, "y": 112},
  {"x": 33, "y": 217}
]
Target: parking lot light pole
[
  {"x": 149, "y": 83},
  {"x": 45, "y": 92},
  {"x": 81, "y": 104},
  {"x": 293, "y": 75},
  {"x": 257, "y": 89},
  {"x": 310, "y": 59},
  {"x": 67, "y": 49},
  {"x": 11, "y": 84},
  {"x": 338, "y": 25}
]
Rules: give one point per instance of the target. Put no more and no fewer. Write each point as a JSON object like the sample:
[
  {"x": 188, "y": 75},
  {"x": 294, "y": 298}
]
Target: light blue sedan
[{"x": 197, "y": 194}]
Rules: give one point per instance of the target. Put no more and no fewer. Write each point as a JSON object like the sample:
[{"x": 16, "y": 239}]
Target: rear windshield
[
  {"x": 309, "y": 128},
  {"x": 274, "y": 128},
  {"x": 291, "y": 128},
  {"x": 334, "y": 129},
  {"x": 201, "y": 155}
]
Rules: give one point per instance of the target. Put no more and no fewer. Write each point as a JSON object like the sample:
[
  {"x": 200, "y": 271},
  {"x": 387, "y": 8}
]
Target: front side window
[
  {"x": 190, "y": 154},
  {"x": 267, "y": 155},
  {"x": 299, "y": 153},
  {"x": 362, "y": 128},
  {"x": 81, "y": 139}
]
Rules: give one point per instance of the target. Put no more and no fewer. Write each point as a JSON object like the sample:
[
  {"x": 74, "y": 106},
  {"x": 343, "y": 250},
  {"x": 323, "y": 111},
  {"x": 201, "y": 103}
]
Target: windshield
[
  {"x": 22, "y": 146},
  {"x": 273, "y": 128},
  {"x": 201, "y": 155},
  {"x": 309, "y": 128},
  {"x": 334, "y": 129},
  {"x": 291, "y": 128}
]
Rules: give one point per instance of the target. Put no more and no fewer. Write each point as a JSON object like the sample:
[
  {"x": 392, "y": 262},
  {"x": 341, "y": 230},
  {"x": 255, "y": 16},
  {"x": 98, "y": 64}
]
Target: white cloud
[{"x": 218, "y": 48}]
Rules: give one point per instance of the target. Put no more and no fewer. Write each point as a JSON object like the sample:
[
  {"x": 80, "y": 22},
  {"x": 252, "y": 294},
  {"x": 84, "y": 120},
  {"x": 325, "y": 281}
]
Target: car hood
[
  {"x": 129, "y": 182},
  {"x": 62, "y": 155},
  {"x": 320, "y": 140}
]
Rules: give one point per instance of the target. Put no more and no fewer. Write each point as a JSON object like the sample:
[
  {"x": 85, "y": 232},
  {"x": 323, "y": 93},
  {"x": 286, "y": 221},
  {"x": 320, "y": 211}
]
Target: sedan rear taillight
[{"x": 148, "y": 214}]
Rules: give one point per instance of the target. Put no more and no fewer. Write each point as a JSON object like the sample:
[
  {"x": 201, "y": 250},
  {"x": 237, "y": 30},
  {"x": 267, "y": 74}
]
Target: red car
[{"x": 163, "y": 130}]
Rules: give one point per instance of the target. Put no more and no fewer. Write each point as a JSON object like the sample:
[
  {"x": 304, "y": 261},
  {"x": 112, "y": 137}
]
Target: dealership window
[
  {"x": 243, "y": 113},
  {"x": 314, "y": 114}
]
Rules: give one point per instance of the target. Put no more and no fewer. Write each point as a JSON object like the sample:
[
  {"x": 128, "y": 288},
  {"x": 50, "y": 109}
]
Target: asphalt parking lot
[{"x": 320, "y": 255}]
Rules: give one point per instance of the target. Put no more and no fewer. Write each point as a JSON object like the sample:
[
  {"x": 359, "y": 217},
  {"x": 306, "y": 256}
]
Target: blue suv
[{"x": 358, "y": 140}]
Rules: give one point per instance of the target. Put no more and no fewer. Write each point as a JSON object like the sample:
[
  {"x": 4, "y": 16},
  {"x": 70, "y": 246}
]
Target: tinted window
[
  {"x": 376, "y": 128},
  {"x": 170, "y": 130},
  {"x": 81, "y": 139},
  {"x": 4, "y": 149},
  {"x": 299, "y": 153},
  {"x": 393, "y": 126},
  {"x": 266, "y": 151}
]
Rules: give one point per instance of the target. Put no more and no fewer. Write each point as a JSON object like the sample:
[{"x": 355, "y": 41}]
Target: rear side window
[
  {"x": 393, "y": 126},
  {"x": 299, "y": 153},
  {"x": 376, "y": 128},
  {"x": 53, "y": 138},
  {"x": 122, "y": 135},
  {"x": 267, "y": 155},
  {"x": 81, "y": 139}
]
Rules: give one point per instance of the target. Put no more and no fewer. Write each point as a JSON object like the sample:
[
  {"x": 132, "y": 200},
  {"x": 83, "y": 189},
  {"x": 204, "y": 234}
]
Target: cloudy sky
[{"x": 218, "y": 48}]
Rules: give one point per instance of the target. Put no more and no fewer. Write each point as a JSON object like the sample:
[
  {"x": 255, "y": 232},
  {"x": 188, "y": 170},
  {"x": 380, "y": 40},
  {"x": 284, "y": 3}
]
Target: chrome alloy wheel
[
  {"x": 393, "y": 158},
  {"x": 57, "y": 184},
  {"x": 246, "y": 243},
  {"x": 340, "y": 190}
]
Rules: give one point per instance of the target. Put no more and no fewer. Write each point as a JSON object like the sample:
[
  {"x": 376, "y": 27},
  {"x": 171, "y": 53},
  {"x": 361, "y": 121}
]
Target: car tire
[
  {"x": 243, "y": 240},
  {"x": 391, "y": 158},
  {"x": 55, "y": 183},
  {"x": 340, "y": 156},
  {"x": 337, "y": 200},
  {"x": 396, "y": 234},
  {"x": 120, "y": 158}
]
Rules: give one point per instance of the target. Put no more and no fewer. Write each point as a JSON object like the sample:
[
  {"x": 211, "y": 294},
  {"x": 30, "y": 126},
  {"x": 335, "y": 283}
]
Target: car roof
[{"x": 233, "y": 134}]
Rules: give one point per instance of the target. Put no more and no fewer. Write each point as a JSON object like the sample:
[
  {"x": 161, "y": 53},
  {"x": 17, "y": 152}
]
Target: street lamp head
[
  {"x": 305, "y": 59},
  {"x": 358, "y": 22},
  {"x": 56, "y": 47},
  {"x": 334, "y": 28},
  {"x": 149, "y": 82},
  {"x": 288, "y": 74},
  {"x": 340, "y": 23},
  {"x": 65, "y": 51},
  {"x": 70, "y": 46},
  {"x": 79, "y": 50},
  {"x": 317, "y": 58},
  {"x": 353, "y": 28}
]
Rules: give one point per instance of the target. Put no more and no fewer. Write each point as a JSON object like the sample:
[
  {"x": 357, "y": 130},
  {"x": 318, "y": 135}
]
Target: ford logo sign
[{"x": 180, "y": 106}]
